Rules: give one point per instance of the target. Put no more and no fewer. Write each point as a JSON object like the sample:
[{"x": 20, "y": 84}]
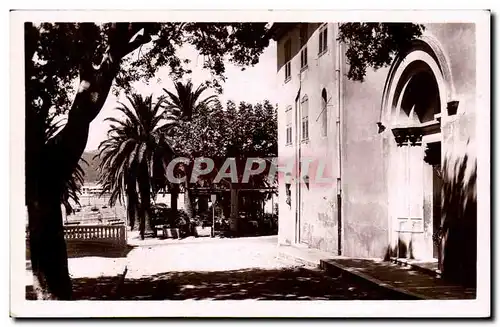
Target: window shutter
[{"x": 325, "y": 39}]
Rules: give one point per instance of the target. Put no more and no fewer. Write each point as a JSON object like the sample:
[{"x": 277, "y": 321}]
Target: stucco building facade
[{"x": 381, "y": 143}]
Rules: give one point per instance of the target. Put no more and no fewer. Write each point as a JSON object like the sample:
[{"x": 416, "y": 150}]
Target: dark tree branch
[
  {"x": 93, "y": 90},
  {"x": 122, "y": 40}
]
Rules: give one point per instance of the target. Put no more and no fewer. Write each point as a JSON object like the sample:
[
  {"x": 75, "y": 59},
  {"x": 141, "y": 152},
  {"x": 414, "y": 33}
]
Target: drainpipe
[
  {"x": 338, "y": 124},
  {"x": 298, "y": 127}
]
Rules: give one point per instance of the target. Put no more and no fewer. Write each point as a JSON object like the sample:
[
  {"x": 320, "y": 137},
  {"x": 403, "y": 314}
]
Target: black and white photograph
[{"x": 250, "y": 164}]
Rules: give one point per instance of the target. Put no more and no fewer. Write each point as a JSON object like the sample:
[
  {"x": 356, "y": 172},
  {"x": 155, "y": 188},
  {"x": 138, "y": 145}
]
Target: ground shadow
[
  {"x": 258, "y": 284},
  {"x": 102, "y": 288},
  {"x": 97, "y": 249},
  {"x": 94, "y": 288},
  {"x": 88, "y": 248}
]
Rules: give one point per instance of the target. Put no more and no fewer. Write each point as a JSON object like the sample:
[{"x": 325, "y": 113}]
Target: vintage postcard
[{"x": 250, "y": 164}]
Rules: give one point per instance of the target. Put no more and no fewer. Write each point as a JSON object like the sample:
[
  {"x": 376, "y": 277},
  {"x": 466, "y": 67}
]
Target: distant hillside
[{"x": 92, "y": 169}]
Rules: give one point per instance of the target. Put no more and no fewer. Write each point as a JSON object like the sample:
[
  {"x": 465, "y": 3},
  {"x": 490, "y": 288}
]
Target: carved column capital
[
  {"x": 408, "y": 135},
  {"x": 414, "y": 135}
]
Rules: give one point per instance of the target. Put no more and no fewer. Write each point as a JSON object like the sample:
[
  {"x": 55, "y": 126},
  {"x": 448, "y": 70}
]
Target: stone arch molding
[{"x": 425, "y": 50}]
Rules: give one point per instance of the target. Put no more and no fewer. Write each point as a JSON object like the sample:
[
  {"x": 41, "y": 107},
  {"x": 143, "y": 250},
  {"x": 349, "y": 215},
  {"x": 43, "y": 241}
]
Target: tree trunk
[
  {"x": 49, "y": 165},
  {"x": 144, "y": 217},
  {"x": 49, "y": 259},
  {"x": 226, "y": 206},
  {"x": 132, "y": 203},
  {"x": 144, "y": 221},
  {"x": 147, "y": 220},
  {"x": 145, "y": 206},
  {"x": 188, "y": 201},
  {"x": 174, "y": 196},
  {"x": 203, "y": 203},
  {"x": 234, "y": 218}
]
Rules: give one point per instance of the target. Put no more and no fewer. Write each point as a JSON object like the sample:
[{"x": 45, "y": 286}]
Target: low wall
[{"x": 101, "y": 233}]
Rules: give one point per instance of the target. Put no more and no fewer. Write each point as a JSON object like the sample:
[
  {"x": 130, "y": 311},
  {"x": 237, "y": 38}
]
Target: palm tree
[
  {"x": 183, "y": 104},
  {"x": 133, "y": 155}
]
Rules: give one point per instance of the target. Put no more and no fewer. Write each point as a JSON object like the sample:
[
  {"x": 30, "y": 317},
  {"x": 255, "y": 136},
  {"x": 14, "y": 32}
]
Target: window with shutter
[
  {"x": 288, "y": 58},
  {"x": 303, "y": 41},
  {"x": 304, "y": 108},
  {"x": 289, "y": 125},
  {"x": 323, "y": 40},
  {"x": 324, "y": 113},
  {"x": 303, "y": 57}
]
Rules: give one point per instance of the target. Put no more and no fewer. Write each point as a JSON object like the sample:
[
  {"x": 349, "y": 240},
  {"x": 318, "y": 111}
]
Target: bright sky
[{"x": 253, "y": 85}]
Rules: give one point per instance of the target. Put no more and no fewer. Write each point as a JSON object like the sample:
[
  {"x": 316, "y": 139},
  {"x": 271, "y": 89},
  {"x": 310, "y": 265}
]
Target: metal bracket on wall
[
  {"x": 452, "y": 108},
  {"x": 381, "y": 127}
]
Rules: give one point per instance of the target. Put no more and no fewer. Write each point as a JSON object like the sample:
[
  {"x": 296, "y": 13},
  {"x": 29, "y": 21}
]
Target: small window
[
  {"x": 288, "y": 194},
  {"x": 288, "y": 71},
  {"x": 324, "y": 113},
  {"x": 303, "y": 57},
  {"x": 289, "y": 125},
  {"x": 323, "y": 40},
  {"x": 304, "y": 114},
  {"x": 303, "y": 34},
  {"x": 303, "y": 41},
  {"x": 288, "y": 57}
]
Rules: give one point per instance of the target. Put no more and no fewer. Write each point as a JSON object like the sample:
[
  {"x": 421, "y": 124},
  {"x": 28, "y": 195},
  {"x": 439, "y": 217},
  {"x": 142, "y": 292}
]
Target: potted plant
[
  {"x": 202, "y": 226},
  {"x": 163, "y": 220},
  {"x": 176, "y": 224}
]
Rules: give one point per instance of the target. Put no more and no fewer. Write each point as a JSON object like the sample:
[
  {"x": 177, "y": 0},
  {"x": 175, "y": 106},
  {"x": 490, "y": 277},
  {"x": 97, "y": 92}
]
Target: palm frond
[
  {"x": 186, "y": 101},
  {"x": 134, "y": 143}
]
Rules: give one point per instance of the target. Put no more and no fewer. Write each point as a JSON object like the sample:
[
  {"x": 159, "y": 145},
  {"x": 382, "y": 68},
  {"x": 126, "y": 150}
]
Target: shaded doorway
[
  {"x": 433, "y": 159},
  {"x": 416, "y": 163}
]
